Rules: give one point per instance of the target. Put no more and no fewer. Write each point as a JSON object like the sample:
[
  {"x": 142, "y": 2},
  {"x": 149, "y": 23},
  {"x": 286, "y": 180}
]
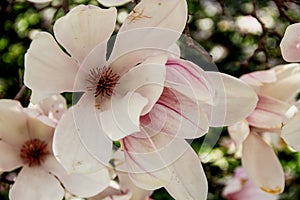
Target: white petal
[
  {"x": 69, "y": 150},
  {"x": 42, "y": 185},
  {"x": 188, "y": 178},
  {"x": 123, "y": 118},
  {"x": 89, "y": 129},
  {"x": 239, "y": 132},
  {"x": 288, "y": 83},
  {"x": 233, "y": 102},
  {"x": 109, "y": 3},
  {"x": 291, "y": 132},
  {"x": 10, "y": 157},
  {"x": 152, "y": 26},
  {"x": 127, "y": 184},
  {"x": 13, "y": 123},
  {"x": 47, "y": 67},
  {"x": 84, "y": 28},
  {"x": 82, "y": 185},
  {"x": 262, "y": 165},
  {"x": 146, "y": 79}
]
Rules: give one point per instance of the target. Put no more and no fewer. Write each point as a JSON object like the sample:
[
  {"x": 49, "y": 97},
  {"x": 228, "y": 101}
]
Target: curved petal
[
  {"x": 291, "y": 132},
  {"x": 189, "y": 79},
  {"x": 110, "y": 3},
  {"x": 69, "y": 150},
  {"x": 269, "y": 113},
  {"x": 137, "y": 193},
  {"x": 10, "y": 157},
  {"x": 13, "y": 123},
  {"x": 259, "y": 78},
  {"x": 234, "y": 100},
  {"x": 147, "y": 79},
  {"x": 142, "y": 148},
  {"x": 47, "y": 67},
  {"x": 83, "y": 28},
  {"x": 87, "y": 125},
  {"x": 153, "y": 25},
  {"x": 177, "y": 115},
  {"x": 262, "y": 165},
  {"x": 82, "y": 185},
  {"x": 191, "y": 183},
  {"x": 288, "y": 83},
  {"x": 123, "y": 118},
  {"x": 42, "y": 185},
  {"x": 290, "y": 43},
  {"x": 239, "y": 132}
]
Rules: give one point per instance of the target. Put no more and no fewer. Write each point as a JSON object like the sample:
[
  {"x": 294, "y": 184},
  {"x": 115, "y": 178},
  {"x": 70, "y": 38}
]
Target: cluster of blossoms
[
  {"x": 133, "y": 110},
  {"x": 277, "y": 115}
]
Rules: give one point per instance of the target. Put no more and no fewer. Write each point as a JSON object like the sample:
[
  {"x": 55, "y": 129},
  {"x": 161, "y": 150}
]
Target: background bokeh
[{"x": 241, "y": 36}]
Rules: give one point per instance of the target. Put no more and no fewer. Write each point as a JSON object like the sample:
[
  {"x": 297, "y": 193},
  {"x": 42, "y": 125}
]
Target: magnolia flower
[
  {"x": 110, "y": 3},
  {"x": 240, "y": 187},
  {"x": 290, "y": 43},
  {"x": 142, "y": 96},
  {"x": 276, "y": 89},
  {"x": 27, "y": 142}
]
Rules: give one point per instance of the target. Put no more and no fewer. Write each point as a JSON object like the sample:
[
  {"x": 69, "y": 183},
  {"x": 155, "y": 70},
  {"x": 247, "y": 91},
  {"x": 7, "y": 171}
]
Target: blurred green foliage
[{"x": 212, "y": 24}]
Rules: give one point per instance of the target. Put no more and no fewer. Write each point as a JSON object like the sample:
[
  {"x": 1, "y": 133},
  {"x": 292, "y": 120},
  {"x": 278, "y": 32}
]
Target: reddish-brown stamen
[
  {"x": 103, "y": 81},
  {"x": 33, "y": 152}
]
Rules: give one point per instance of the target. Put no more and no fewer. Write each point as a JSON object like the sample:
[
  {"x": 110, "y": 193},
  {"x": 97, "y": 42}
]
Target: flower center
[
  {"x": 34, "y": 152},
  {"x": 103, "y": 81}
]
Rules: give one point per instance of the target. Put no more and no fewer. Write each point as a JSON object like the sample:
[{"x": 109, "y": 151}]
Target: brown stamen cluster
[
  {"x": 34, "y": 152},
  {"x": 103, "y": 81}
]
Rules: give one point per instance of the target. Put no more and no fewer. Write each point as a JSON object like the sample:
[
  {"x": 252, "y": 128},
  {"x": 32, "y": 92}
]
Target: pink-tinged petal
[
  {"x": 188, "y": 178},
  {"x": 291, "y": 132},
  {"x": 147, "y": 79},
  {"x": 234, "y": 100},
  {"x": 177, "y": 115},
  {"x": 110, "y": 3},
  {"x": 35, "y": 183},
  {"x": 262, "y": 165},
  {"x": 47, "y": 67},
  {"x": 239, "y": 132},
  {"x": 82, "y": 185},
  {"x": 290, "y": 43},
  {"x": 269, "y": 113},
  {"x": 259, "y": 78},
  {"x": 13, "y": 123},
  {"x": 152, "y": 25},
  {"x": 10, "y": 157},
  {"x": 88, "y": 127},
  {"x": 142, "y": 148},
  {"x": 287, "y": 85},
  {"x": 84, "y": 28},
  {"x": 69, "y": 150},
  {"x": 127, "y": 185},
  {"x": 189, "y": 79},
  {"x": 54, "y": 106},
  {"x": 240, "y": 187},
  {"x": 123, "y": 117}
]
